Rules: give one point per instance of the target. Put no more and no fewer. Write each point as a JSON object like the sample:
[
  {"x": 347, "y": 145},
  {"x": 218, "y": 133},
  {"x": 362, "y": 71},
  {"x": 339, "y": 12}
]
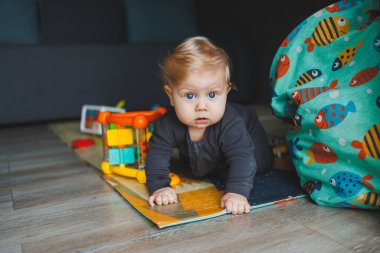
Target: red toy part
[
  {"x": 82, "y": 143},
  {"x": 137, "y": 119}
]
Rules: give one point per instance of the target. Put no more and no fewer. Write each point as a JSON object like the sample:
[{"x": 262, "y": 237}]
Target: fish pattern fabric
[{"x": 326, "y": 84}]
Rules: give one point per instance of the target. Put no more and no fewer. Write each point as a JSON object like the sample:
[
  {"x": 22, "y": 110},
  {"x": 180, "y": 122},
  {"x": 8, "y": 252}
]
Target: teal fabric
[
  {"x": 19, "y": 22},
  {"x": 326, "y": 83},
  {"x": 160, "y": 21}
]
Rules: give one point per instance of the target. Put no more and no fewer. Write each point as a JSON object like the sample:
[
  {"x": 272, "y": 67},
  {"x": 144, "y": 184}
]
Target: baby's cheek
[
  {"x": 217, "y": 113},
  {"x": 183, "y": 114}
]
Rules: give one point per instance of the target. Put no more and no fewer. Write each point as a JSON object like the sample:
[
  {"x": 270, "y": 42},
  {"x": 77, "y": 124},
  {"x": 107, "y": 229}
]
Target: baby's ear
[
  {"x": 232, "y": 86},
  {"x": 229, "y": 87},
  {"x": 169, "y": 92}
]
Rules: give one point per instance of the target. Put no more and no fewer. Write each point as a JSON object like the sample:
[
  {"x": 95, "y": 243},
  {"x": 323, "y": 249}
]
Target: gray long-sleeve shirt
[{"x": 237, "y": 142}]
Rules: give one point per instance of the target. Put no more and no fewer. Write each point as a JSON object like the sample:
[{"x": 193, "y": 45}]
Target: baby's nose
[{"x": 201, "y": 105}]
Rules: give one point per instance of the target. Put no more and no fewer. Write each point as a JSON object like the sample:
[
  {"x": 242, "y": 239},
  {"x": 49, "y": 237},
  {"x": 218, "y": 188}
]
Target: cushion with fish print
[{"x": 326, "y": 84}]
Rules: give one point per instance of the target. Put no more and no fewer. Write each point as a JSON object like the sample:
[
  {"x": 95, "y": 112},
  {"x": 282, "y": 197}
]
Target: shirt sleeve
[
  {"x": 159, "y": 153},
  {"x": 239, "y": 150}
]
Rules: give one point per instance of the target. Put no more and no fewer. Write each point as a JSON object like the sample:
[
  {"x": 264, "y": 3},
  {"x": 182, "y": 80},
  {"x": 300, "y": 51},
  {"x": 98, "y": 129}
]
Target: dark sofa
[
  {"x": 45, "y": 82},
  {"x": 88, "y": 52}
]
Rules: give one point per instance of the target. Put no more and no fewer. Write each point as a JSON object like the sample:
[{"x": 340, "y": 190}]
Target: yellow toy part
[
  {"x": 106, "y": 168},
  {"x": 125, "y": 171},
  {"x": 120, "y": 104},
  {"x": 175, "y": 180},
  {"x": 119, "y": 137}
]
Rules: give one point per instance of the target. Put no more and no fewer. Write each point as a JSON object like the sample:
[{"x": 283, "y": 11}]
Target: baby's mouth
[{"x": 201, "y": 120}]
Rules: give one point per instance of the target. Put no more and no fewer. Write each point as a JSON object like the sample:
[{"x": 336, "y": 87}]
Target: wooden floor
[{"x": 50, "y": 201}]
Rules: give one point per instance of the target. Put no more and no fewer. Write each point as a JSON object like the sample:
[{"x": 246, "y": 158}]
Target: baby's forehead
[
  {"x": 205, "y": 67},
  {"x": 201, "y": 85},
  {"x": 206, "y": 74}
]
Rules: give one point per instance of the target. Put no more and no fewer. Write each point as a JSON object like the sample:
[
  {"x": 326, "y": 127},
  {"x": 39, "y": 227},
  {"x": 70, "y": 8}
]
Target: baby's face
[{"x": 200, "y": 99}]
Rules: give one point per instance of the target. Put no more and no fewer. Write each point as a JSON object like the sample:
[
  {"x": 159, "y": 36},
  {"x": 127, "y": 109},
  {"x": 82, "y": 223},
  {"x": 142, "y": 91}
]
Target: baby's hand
[
  {"x": 235, "y": 203},
  {"x": 163, "y": 196}
]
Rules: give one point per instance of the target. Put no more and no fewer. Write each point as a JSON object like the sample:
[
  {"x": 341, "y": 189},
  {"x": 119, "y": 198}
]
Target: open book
[{"x": 202, "y": 200}]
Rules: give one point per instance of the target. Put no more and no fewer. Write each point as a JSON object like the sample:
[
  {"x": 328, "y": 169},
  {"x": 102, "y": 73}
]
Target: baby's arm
[
  {"x": 235, "y": 203},
  {"x": 239, "y": 150},
  {"x": 159, "y": 153},
  {"x": 163, "y": 196}
]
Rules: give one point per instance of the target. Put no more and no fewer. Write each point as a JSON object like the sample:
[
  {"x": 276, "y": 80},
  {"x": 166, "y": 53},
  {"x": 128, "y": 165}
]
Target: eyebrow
[
  {"x": 185, "y": 89},
  {"x": 192, "y": 87}
]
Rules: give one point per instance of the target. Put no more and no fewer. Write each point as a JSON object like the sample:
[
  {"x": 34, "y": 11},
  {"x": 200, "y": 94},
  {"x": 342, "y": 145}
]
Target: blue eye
[
  {"x": 189, "y": 96},
  {"x": 212, "y": 95}
]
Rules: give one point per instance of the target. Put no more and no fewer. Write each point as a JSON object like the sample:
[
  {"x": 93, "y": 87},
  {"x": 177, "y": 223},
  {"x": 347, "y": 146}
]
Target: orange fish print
[
  {"x": 312, "y": 185},
  {"x": 326, "y": 31},
  {"x": 364, "y": 76},
  {"x": 341, "y": 6},
  {"x": 283, "y": 65},
  {"x": 370, "y": 199},
  {"x": 321, "y": 153},
  {"x": 345, "y": 57},
  {"x": 372, "y": 15},
  {"x": 302, "y": 96},
  {"x": 370, "y": 145}
]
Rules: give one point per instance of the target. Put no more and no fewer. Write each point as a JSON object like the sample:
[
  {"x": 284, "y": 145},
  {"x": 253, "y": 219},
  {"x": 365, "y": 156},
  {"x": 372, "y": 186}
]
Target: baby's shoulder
[
  {"x": 168, "y": 117},
  {"x": 238, "y": 113},
  {"x": 168, "y": 122}
]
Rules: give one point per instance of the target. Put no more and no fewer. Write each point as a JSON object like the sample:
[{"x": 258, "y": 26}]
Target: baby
[{"x": 214, "y": 136}]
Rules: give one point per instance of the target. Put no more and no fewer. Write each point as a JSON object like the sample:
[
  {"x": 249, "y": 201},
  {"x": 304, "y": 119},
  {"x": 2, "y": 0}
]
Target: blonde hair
[{"x": 193, "y": 53}]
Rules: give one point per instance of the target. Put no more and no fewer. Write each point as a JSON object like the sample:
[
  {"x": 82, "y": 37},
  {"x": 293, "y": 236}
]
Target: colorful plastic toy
[
  {"x": 125, "y": 141},
  {"x": 89, "y": 123}
]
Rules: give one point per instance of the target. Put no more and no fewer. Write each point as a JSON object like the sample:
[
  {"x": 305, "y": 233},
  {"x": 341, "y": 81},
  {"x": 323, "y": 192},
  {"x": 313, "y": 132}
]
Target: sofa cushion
[
  {"x": 18, "y": 22},
  {"x": 56, "y": 81},
  {"x": 160, "y": 21},
  {"x": 82, "y": 21}
]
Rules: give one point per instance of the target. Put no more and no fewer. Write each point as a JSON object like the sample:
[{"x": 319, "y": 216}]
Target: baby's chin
[
  {"x": 193, "y": 123},
  {"x": 201, "y": 126}
]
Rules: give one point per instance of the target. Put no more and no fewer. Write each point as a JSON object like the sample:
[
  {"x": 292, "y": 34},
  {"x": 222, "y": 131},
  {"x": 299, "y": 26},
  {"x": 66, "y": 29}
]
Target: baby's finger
[
  {"x": 222, "y": 203},
  {"x": 247, "y": 208},
  {"x": 240, "y": 208},
  {"x": 151, "y": 200},
  {"x": 229, "y": 206},
  {"x": 172, "y": 199},
  {"x": 159, "y": 200},
  {"x": 234, "y": 208},
  {"x": 165, "y": 200}
]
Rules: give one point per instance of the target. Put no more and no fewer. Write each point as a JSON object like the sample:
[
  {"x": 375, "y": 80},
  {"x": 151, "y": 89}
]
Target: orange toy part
[{"x": 137, "y": 119}]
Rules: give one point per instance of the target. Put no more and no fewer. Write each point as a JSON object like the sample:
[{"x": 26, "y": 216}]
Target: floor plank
[
  {"x": 58, "y": 190},
  {"x": 11, "y": 249},
  {"x": 356, "y": 229},
  {"x": 65, "y": 168},
  {"x": 4, "y": 167},
  {"x": 78, "y": 215},
  {"x": 37, "y": 162},
  {"x": 6, "y": 203},
  {"x": 23, "y": 140},
  {"x": 305, "y": 210}
]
